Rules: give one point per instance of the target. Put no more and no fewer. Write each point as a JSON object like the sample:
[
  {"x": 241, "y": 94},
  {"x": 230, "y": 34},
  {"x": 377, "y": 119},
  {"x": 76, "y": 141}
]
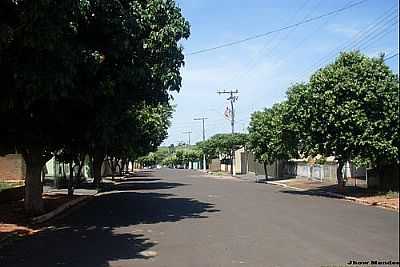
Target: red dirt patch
[
  {"x": 359, "y": 194},
  {"x": 14, "y": 219}
]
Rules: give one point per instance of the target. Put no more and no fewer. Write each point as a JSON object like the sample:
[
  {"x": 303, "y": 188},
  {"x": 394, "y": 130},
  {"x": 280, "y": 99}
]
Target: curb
[
  {"x": 285, "y": 186},
  {"x": 364, "y": 202},
  {"x": 50, "y": 215},
  {"x": 354, "y": 199}
]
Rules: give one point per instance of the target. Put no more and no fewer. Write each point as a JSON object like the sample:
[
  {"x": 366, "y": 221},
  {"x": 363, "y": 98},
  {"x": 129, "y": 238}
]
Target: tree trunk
[
  {"x": 122, "y": 167},
  {"x": 33, "y": 185},
  {"x": 265, "y": 171},
  {"x": 112, "y": 166},
  {"x": 98, "y": 158},
  {"x": 339, "y": 176},
  {"x": 232, "y": 159},
  {"x": 71, "y": 179},
  {"x": 80, "y": 166},
  {"x": 382, "y": 185}
]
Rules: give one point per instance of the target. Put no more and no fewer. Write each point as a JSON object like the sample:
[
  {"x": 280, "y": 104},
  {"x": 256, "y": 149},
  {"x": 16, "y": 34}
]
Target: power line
[
  {"x": 299, "y": 44},
  {"x": 277, "y": 30},
  {"x": 357, "y": 39},
  {"x": 232, "y": 98},
  {"x": 392, "y": 56},
  {"x": 374, "y": 38},
  {"x": 362, "y": 36},
  {"x": 188, "y": 133},
  {"x": 278, "y": 63},
  {"x": 204, "y": 139},
  {"x": 273, "y": 45}
]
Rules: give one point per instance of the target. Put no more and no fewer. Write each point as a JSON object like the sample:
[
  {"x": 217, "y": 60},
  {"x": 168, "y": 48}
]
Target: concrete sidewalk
[{"x": 362, "y": 196}]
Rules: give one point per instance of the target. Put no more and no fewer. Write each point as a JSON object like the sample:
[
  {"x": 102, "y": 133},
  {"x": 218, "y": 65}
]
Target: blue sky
[{"x": 264, "y": 68}]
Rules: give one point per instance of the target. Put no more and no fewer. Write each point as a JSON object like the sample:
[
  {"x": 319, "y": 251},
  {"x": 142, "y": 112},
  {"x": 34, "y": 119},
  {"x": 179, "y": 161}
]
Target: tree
[
  {"x": 192, "y": 155},
  {"x": 222, "y": 144},
  {"x": 349, "y": 109},
  {"x": 141, "y": 63},
  {"x": 102, "y": 58},
  {"x": 36, "y": 32},
  {"x": 170, "y": 161},
  {"x": 267, "y": 137}
]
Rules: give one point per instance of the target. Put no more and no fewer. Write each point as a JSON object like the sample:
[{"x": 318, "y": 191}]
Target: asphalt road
[{"x": 181, "y": 218}]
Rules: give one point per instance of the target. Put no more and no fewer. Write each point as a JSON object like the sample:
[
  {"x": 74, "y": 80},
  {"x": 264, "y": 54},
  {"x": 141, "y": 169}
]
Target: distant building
[{"x": 12, "y": 167}]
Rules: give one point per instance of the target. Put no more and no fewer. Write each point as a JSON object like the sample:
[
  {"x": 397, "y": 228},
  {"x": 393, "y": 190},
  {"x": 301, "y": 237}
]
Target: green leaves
[
  {"x": 222, "y": 144},
  {"x": 268, "y": 138},
  {"x": 349, "y": 109}
]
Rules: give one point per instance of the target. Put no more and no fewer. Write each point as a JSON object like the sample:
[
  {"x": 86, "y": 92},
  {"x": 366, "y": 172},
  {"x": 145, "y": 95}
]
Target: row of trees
[
  {"x": 223, "y": 145},
  {"x": 178, "y": 156},
  {"x": 217, "y": 145},
  {"x": 349, "y": 109},
  {"x": 86, "y": 77}
]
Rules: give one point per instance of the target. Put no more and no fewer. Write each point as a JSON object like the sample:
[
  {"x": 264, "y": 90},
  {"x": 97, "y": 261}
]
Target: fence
[{"x": 326, "y": 172}]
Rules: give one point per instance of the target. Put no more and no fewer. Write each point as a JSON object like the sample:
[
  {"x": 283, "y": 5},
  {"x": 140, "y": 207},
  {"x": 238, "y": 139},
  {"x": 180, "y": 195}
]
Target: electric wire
[{"x": 276, "y": 30}]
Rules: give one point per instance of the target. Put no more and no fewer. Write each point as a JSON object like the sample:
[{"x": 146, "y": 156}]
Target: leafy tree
[
  {"x": 222, "y": 144},
  {"x": 35, "y": 86},
  {"x": 349, "y": 109},
  {"x": 149, "y": 160},
  {"x": 267, "y": 137},
  {"x": 180, "y": 157},
  {"x": 140, "y": 59},
  {"x": 192, "y": 155},
  {"x": 102, "y": 59},
  {"x": 170, "y": 161}
]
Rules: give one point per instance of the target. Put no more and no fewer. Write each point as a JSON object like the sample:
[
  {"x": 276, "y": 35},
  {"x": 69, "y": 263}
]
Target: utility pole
[
  {"x": 204, "y": 139},
  {"x": 188, "y": 133},
  {"x": 232, "y": 98}
]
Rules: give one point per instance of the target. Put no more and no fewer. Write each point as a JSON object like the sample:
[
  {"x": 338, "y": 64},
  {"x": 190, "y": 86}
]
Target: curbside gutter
[{"x": 50, "y": 215}]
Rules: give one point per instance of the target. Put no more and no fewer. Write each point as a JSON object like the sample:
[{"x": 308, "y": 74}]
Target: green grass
[
  {"x": 392, "y": 194},
  {"x": 6, "y": 185}
]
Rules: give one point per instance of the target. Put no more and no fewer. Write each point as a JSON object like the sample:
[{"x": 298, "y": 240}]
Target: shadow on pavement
[
  {"x": 137, "y": 179},
  {"x": 106, "y": 187},
  {"x": 349, "y": 191},
  {"x": 104, "y": 229},
  {"x": 320, "y": 192}
]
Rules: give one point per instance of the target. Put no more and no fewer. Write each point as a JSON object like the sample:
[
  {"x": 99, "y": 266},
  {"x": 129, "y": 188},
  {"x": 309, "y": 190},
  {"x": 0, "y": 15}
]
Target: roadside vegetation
[
  {"x": 349, "y": 109},
  {"x": 86, "y": 78},
  {"x": 6, "y": 185}
]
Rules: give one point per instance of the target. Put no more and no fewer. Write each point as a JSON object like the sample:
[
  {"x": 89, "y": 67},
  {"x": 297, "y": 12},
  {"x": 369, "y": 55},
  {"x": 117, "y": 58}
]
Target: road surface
[{"x": 183, "y": 218}]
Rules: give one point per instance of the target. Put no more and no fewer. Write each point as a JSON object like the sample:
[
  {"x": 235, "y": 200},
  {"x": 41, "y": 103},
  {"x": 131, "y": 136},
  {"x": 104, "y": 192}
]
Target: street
[{"x": 182, "y": 218}]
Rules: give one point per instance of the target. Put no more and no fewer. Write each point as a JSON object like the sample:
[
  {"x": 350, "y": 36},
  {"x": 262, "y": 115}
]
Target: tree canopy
[
  {"x": 267, "y": 136},
  {"x": 222, "y": 144},
  {"x": 75, "y": 74},
  {"x": 349, "y": 109}
]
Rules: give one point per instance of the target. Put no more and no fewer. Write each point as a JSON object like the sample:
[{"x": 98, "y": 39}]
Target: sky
[{"x": 263, "y": 69}]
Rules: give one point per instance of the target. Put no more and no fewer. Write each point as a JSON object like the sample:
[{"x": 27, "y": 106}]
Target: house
[{"x": 12, "y": 167}]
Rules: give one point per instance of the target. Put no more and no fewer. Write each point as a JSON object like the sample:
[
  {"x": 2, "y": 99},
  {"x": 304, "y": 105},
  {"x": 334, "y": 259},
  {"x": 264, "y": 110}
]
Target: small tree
[
  {"x": 267, "y": 137},
  {"x": 192, "y": 155},
  {"x": 223, "y": 144}
]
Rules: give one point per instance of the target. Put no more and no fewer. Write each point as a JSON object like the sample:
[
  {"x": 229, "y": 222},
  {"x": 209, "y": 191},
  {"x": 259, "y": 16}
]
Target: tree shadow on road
[
  {"x": 133, "y": 185},
  {"x": 318, "y": 192},
  {"x": 330, "y": 191},
  {"x": 137, "y": 179},
  {"x": 103, "y": 230}
]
